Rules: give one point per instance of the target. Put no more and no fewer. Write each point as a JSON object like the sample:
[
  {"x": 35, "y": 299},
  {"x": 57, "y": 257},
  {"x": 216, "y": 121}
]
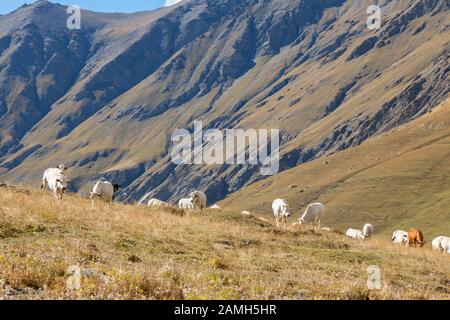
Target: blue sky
[{"x": 95, "y": 5}]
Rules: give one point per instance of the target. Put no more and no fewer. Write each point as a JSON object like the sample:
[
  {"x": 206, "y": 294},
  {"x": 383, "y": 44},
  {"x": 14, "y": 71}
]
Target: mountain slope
[
  {"x": 105, "y": 99},
  {"x": 397, "y": 180}
]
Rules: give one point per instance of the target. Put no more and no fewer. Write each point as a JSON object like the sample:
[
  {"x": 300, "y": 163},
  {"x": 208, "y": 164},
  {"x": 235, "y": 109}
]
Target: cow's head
[
  {"x": 93, "y": 195},
  {"x": 194, "y": 196},
  {"x": 61, "y": 184},
  {"x": 285, "y": 210}
]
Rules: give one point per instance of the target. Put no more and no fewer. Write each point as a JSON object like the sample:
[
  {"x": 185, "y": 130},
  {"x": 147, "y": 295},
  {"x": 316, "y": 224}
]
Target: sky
[{"x": 7, "y": 6}]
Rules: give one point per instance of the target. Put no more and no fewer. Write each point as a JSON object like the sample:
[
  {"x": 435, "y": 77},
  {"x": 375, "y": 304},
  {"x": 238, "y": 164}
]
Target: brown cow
[{"x": 415, "y": 237}]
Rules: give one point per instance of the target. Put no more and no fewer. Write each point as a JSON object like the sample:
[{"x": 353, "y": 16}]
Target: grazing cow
[
  {"x": 313, "y": 214},
  {"x": 199, "y": 199},
  {"x": 415, "y": 238},
  {"x": 355, "y": 234},
  {"x": 215, "y": 207},
  {"x": 186, "y": 204},
  {"x": 280, "y": 211},
  {"x": 367, "y": 230},
  {"x": 56, "y": 181},
  {"x": 104, "y": 191},
  {"x": 363, "y": 234},
  {"x": 156, "y": 203},
  {"x": 445, "y": 244},
  {"x": 400, "y": 237},
  {"x": 441, "y": 243}
]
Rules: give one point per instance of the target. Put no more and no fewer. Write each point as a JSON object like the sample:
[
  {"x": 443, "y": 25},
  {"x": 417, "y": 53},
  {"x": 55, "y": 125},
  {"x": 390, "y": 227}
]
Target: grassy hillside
[
  {"x": 397, "y": 180},
  {"x": 137, "y": 253}
]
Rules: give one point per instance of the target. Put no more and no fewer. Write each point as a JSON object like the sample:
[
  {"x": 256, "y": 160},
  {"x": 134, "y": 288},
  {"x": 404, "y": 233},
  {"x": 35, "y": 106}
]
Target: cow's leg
[{"x": 44, "y": 183}]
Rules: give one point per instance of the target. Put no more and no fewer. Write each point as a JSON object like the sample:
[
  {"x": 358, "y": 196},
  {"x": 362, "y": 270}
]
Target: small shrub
[{"x": 218, "y": 263}]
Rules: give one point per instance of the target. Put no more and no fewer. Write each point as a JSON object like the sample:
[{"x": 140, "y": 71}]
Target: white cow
[
  {"x": 199, "y": 199},
  {"x": 363, "y": 234},
  {"x": 56, "y": 181},
  {"x": 281, "y": 211},
  {"x": 104, "y": 191},
  {"x": 313, "y": 214},
  {"x": 215, "y": 207},
  {"x": 355, "y": 234},
  {"x": 400, "y": 237},
  {"x": 441, "y": 243},
  {"x": 156, "y": 203},
  {"x": 186, "y": 204}
]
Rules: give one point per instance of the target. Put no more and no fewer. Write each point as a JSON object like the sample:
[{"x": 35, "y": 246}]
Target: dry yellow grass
[{"x": 128, "y": 252}]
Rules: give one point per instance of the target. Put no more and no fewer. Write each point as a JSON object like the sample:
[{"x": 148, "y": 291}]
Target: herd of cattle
[{"x": 56, "y": 180}]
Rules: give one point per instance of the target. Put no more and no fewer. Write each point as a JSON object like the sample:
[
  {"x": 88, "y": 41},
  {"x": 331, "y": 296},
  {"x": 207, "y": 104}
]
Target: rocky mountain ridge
[{"x": 105, "y": 99}]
